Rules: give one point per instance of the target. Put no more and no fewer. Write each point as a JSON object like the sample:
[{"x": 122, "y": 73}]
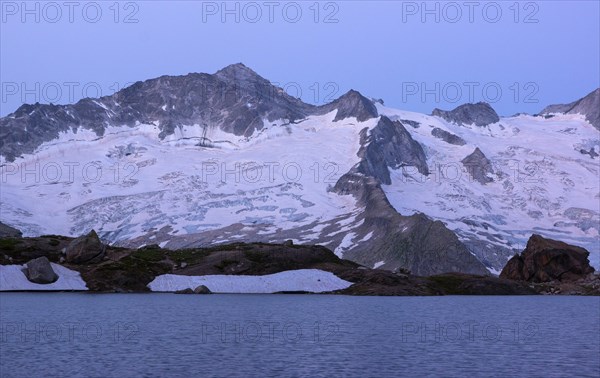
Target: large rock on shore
[
  {"x": 546, "y": 260},
  {"x": 40, "y": 271},
  {"x": 87, "y": 249},
  {"x": 202, "y": 290}
]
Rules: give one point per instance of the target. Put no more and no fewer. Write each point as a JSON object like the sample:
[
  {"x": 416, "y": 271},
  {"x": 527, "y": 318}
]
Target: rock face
[
  {"x": 546, "y": 260},
  {"x": 85, "y": 249},
  {"x": 40, "y": 271},
  {"x": 447, "y": 137},
  {"x": 351, "y": 104},
  {"x": 589, "y": 106},
  {"x": 481, "y": 114},
  {"x": 478, "y": 166},
  {"x": 416, "y": 242},
  {"x": 389, "y": 145},
  {"x": 235, "y": 100},
  {"x": 202, "y": 290},
  {"x": 9, "y": 232}
]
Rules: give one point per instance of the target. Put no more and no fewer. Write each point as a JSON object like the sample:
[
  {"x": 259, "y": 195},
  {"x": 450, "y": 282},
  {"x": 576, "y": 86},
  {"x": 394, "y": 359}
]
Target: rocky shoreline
[{"x": 554, "y": 268}]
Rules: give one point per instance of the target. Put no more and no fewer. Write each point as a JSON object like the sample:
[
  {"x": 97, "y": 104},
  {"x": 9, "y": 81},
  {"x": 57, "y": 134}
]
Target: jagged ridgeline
[{"x": 208, "y": 159}]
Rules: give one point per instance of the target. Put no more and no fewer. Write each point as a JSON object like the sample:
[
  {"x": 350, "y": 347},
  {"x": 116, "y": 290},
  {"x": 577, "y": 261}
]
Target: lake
[{"x": 156, "y": 335}]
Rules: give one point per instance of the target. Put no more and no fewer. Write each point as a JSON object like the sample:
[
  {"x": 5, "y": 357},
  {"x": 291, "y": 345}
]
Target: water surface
[{"x": 155, "y": 335}]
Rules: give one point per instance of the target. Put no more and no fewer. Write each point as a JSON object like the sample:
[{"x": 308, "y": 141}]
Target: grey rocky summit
[
  {"x": 589, "y": 106},
  {"x": 481, "y": 114},
  {"x": 351, "y": 104},
  {"x": 40, "y": 271},
  {"x": 479, "y": 166},
  {"x": 235, "y": 99}
]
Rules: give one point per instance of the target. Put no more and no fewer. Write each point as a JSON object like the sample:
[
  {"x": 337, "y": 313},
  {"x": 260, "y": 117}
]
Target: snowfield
[
  {"x": 209, "y": 188},
  {"x": 542, "y": 182},
  {"x": 311, "y": 280},
  {"x": 12, "y": 279},
  {"x": 129, "y": 184}
]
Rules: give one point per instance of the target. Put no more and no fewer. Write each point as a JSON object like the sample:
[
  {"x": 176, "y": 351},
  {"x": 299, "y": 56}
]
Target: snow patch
[
  {"x": 311, "y": 280},
  {"x": 12, "y": 279}
]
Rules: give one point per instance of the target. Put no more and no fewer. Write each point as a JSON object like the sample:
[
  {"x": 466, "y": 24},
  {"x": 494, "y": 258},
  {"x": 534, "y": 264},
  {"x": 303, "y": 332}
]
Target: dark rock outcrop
[
  {"x": 546, "y": 260},
  {"x": 351, "y": 104},
  {"x": 85, "y": 249},
  {"x": 202, "y": 290},
  {"x": 10, "y": 232},
  {"x": 389, "y": 145},
  {"x": 481, "y": 114},
  {"x": 131, "y": 270},
  {"x": 40, "y": 271},
  {"x": 478, "y": 166},
  {"x": 589, "y": 106},
  {"x": 416, "y": 243},
  {"x": 447, "y": 137}
]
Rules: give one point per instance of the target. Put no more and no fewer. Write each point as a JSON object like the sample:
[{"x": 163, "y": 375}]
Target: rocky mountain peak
[
  {"x": 236, "y": 70},
  {"x": 589, "y": 106},
  {"x": 351, "y": 104},
  {"x": 479, "y": 166},
  {"x": 481, "y": 114}
]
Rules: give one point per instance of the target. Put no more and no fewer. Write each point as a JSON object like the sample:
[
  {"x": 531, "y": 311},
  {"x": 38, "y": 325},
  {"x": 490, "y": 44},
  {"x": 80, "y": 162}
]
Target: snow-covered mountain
[{"x": 203, "y": 159}]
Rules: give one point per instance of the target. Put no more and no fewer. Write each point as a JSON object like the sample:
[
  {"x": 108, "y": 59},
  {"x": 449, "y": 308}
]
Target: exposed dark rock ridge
[
  {"x": 481, "y": 114},
  {"x": 416, "y": 242},
  {"x": 351, "y": 104},
  {"x": 546, "y": 260},
  {"x": 589, "y": 106},
  {"x": 234, "y": 99},
  {"x": 447, "y": 137},
  {"x": 389, "y": 145},
  {"x": 7, "y": 231},
  {"x": 479, "y": 166}
]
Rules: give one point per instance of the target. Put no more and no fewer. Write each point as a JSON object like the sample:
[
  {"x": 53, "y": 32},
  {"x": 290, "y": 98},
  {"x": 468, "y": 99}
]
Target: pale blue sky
[{"x": 378, "y": 48}]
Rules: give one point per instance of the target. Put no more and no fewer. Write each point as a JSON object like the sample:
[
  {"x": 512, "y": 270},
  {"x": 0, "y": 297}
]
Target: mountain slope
[
  {"x": 202, "y": 159},
  {"x": 588, "y": 106}
]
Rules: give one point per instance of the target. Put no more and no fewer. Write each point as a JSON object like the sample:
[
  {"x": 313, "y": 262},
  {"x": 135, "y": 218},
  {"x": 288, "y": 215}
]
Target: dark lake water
[{"x": 158, "y": 335}]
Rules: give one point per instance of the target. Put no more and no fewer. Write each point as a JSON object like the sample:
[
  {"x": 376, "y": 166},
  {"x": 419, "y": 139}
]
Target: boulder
[
  {"x": 86, "y": 249},
  {"x": 40, "y": 271},
  {"x": 202, "y": 290},
  {"x": 546, "y": 260}
]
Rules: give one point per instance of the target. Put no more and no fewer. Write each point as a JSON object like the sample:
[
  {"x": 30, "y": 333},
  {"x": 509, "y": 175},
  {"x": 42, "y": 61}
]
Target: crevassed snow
[
  {"x": 178, "y": 183},
  {"x": 311, "y": 280},
  {"x": 12, "y": 279},
  {"x": 542, "y": 182}
]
